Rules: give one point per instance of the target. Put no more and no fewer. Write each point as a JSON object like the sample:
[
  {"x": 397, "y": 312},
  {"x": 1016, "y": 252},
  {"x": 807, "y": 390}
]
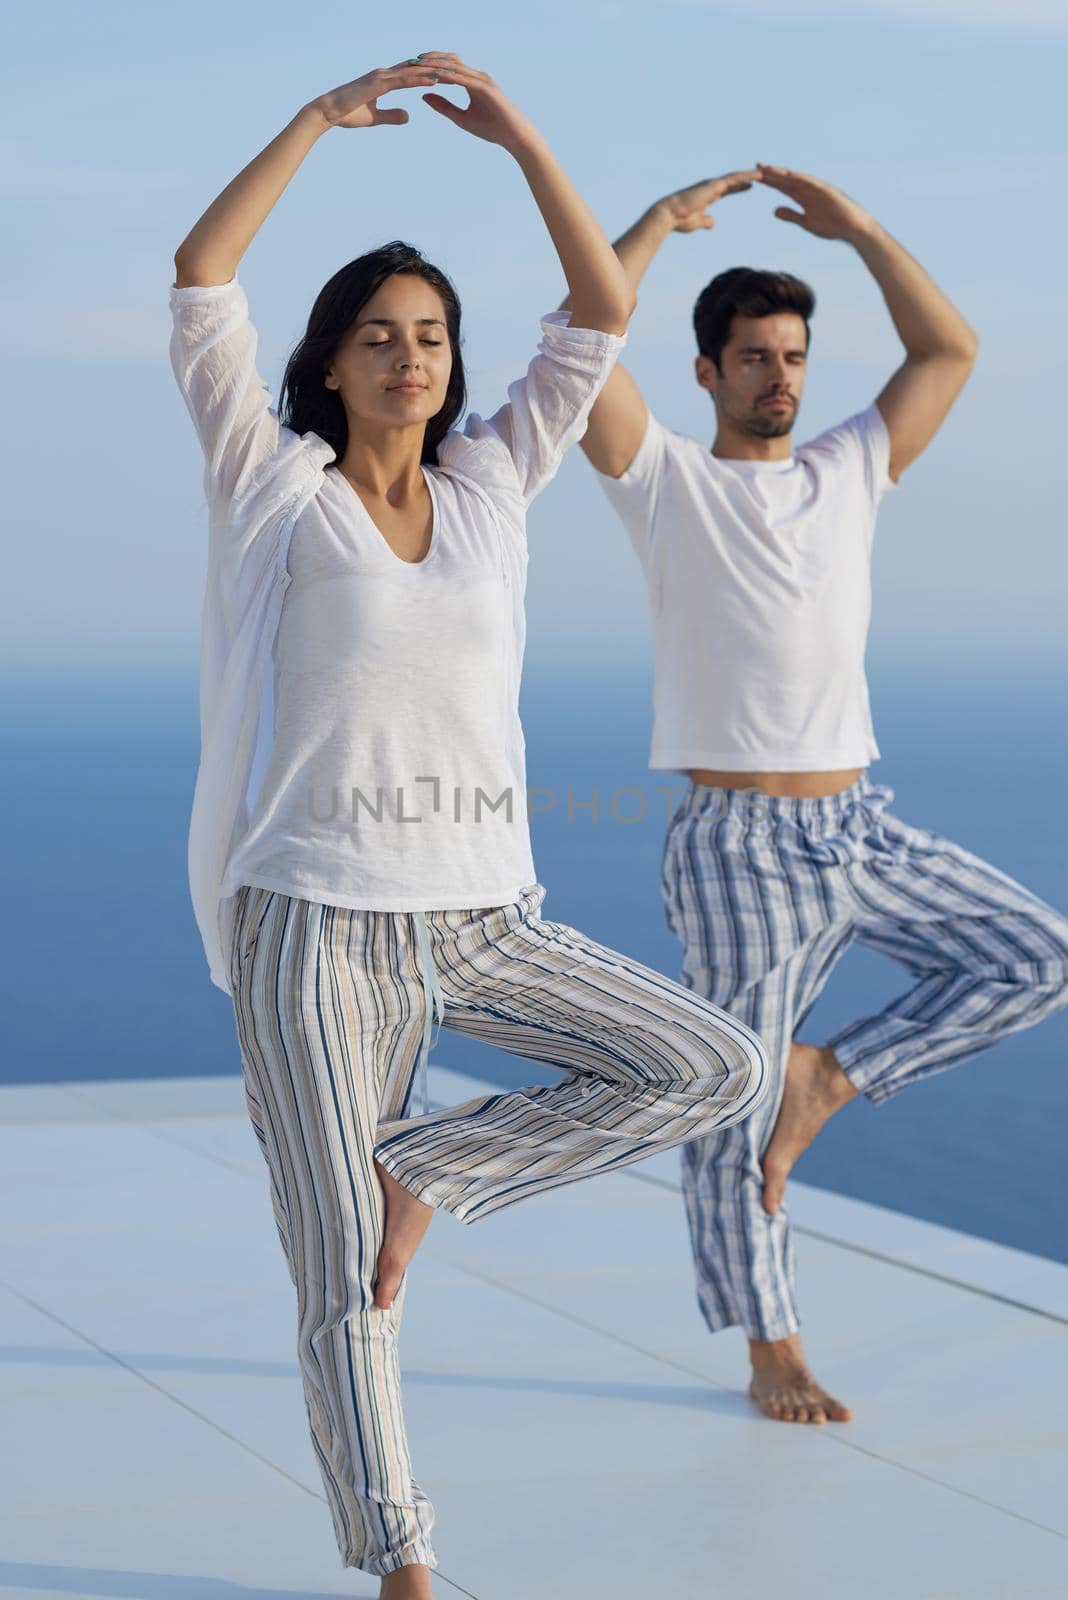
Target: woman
[{"x": 376, "y": 556}]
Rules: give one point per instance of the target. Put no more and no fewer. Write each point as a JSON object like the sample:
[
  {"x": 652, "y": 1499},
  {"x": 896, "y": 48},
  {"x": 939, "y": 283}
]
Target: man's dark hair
[
  {"x": 304, "y": 400},
  {"x": 747, "y": 292}
]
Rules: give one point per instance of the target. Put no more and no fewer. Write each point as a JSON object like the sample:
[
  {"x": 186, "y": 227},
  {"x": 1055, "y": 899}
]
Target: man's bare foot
[
  {"x": 815, "y": 1088},
  {"x": 407, "y": 1583},
  {"x": 784, "y": 1388},
  {"x": 407, "y": 1219}
]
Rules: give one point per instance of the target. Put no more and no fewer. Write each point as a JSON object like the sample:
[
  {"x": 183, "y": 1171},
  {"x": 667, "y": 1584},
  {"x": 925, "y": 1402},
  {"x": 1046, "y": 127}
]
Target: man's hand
[
  {"x": 686, "y": 208},
  {"x": 940, "y": 346},
  {"x": 826, "y": 211}
]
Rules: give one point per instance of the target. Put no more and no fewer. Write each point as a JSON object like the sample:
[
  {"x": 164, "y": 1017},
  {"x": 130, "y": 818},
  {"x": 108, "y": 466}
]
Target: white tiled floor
[{"x": 580, "y": 1432}]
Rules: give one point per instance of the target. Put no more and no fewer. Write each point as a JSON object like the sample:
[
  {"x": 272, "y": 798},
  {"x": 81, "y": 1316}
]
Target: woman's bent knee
[
  {"x": 733, "y": 1064},
  {"x": 756, "y": 1074}
]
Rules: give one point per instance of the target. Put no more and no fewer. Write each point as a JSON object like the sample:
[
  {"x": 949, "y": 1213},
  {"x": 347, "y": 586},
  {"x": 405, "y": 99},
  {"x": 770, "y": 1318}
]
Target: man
[{"x": 757, "y": 559}]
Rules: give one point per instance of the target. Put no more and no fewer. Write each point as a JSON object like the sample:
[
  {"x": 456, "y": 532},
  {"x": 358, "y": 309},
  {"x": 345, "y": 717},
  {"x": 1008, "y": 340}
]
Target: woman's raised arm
[
  {"x": 211, "y": 251},
  {"x": 602, "y": 296}
]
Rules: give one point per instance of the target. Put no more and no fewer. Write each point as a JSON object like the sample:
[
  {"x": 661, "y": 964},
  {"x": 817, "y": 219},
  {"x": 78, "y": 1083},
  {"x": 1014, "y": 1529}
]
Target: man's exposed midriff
[{"x": 799, "y": 785}]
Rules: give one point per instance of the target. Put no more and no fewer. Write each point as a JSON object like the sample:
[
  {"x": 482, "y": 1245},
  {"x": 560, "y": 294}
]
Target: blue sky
[{"x": 115, "y": 141}]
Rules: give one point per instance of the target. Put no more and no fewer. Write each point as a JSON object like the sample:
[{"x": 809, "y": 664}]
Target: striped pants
[
  {"x": 331, "y": 1007},
  {"x": 765, "y": 894}
]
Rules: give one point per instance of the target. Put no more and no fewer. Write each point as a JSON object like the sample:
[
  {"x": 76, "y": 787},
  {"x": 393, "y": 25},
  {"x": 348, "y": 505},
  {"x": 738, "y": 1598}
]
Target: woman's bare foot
[
  {"x": 407, "y": 1583},
  {"x": 815, "y": 1088},
  {"x": 407, "y": 1219},
  {"x": 784, "y": 1388}
]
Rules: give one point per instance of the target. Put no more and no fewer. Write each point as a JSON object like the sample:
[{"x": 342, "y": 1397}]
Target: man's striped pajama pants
[
  {"x": 765, "y": 894},
  {"x": 331, "y": 1006}
]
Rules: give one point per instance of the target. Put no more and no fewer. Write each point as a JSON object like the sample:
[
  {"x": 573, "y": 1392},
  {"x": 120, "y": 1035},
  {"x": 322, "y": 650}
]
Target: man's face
[
  {"x": 399, "y": 338},
  {"x": 761, "y": 373}
]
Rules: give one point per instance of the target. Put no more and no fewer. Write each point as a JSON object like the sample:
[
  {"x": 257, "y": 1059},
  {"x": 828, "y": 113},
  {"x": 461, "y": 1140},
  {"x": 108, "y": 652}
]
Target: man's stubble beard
[{"x": 764, "y": 425}]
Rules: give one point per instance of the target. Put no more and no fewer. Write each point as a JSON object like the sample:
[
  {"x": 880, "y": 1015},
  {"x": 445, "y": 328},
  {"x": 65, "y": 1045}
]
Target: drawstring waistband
[
  {"x": 434, "y": 1004},
  {"x": 752, "y": 804}
]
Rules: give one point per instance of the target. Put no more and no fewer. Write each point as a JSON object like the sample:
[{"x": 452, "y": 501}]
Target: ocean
[{"x": 107, "y": 978}]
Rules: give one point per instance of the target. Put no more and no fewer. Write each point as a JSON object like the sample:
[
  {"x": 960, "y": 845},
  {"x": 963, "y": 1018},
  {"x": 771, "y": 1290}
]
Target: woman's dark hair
[
  {"x": 747, "y": 292},
  {"x": 304, "y": 400}
]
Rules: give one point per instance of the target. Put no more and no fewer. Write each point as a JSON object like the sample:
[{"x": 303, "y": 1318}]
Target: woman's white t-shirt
[
  {"x": 396, "y": 777},
  {"x": 759, "y": 581}
]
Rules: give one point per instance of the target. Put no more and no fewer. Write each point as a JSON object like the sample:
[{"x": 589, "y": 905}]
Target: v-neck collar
[{"x": 435, "y": 529}]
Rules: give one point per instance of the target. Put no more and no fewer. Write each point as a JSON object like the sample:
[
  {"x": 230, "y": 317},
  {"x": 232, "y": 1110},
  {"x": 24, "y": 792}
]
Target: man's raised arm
[
  {"x": 618, "y": 418},
  {"x": 940, "y": 345}
]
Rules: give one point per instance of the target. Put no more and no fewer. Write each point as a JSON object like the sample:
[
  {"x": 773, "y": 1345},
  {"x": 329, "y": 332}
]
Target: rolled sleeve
[
  {"x": 213, "y": 357},
  {"x": 548, "y": 409}
]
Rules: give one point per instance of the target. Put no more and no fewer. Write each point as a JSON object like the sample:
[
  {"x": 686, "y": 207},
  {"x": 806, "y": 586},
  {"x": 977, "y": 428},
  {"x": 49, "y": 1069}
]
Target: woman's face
[{"x": 392, "y": 366}]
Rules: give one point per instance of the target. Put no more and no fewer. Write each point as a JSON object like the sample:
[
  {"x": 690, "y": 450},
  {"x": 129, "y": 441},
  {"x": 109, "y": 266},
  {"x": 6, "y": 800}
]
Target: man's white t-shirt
[{"x": 759, "y": 581}]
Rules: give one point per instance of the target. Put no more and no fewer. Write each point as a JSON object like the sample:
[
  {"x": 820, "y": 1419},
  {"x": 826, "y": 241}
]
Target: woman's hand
[
  {"x": 490, "y": 114},
  {"x": 826, "y": 211},
  {"x": 686, "y": 207},
  {"x": 355, "y": 104}
]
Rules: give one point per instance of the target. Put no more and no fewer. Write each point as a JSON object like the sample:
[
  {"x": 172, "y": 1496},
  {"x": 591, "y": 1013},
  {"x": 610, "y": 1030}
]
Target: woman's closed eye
[{"x": 376, "y": 344}]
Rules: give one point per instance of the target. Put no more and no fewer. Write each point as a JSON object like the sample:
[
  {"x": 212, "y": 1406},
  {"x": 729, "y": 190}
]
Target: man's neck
[{"x": 749, "y": 447}]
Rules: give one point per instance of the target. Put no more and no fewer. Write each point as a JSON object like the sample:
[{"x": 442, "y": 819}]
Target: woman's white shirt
[{"x": 328, "y": 663}]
